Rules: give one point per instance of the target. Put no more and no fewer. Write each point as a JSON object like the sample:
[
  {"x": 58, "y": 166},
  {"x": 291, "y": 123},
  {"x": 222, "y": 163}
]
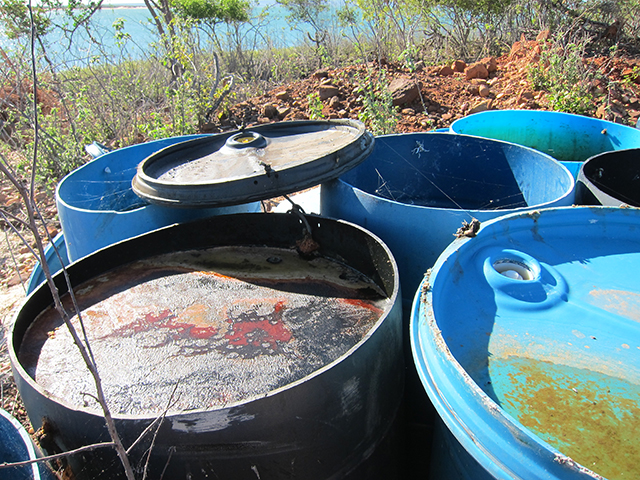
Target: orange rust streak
[{"x": 362, "y": 304}]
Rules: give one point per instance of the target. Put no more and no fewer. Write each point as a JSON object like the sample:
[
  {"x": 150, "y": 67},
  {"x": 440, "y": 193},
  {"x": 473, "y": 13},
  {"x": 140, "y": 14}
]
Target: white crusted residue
[
  {"x": 208, "y": 422},
  {"x": 568, "y": 461}
]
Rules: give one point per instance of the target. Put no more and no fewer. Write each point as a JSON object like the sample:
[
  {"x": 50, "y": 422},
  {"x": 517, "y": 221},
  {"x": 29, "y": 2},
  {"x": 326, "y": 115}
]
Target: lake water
[{"x": 91, "y": 44}]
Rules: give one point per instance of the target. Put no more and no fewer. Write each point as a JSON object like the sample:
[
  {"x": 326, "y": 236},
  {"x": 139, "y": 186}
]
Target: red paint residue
[
  {"x": 361, "y": 304},
  {"x": 167, "y": 320},
  {"x": 203, "y": 332},
  {"x": 143, "y": 324},
  {"x": 151, "y": 318},
  {"x": 269, "y": 330}
]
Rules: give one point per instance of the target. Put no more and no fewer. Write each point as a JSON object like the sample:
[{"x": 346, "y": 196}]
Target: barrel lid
[{"x": 252, "y": 164}]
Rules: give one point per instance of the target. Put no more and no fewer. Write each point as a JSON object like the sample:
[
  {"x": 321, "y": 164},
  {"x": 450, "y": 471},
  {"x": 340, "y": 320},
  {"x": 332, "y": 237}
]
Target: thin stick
[{"x": 86, "y": 448}]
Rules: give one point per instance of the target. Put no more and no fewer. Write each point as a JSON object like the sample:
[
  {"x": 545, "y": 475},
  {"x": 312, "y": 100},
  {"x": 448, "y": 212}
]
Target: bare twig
[
  {"x": 155, "y": 434},
  {"x": 28, "y": 197},
  {"x": 49, "y": 458}
]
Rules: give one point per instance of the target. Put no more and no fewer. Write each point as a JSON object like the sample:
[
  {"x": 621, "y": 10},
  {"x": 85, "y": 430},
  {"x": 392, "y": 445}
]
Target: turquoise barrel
[
  {"x": 526, "y": 340},
  {"x": 97, "y": 206},
  {"x": 569, "y": 138}
]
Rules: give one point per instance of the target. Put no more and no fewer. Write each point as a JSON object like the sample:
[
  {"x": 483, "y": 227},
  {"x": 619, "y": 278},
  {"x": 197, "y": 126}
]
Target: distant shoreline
[{"x": 118, "y": 6}]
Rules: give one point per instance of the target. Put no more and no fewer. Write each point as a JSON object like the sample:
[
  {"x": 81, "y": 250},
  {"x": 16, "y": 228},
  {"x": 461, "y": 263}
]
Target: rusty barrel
[{"x": 245, "y": 346}]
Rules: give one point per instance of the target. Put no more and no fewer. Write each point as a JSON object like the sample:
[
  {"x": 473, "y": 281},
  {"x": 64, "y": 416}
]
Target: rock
[
  {"x": 543, "y": 36},
  {"x": 408, "y": 111},
  {"x": 484, "y": 91},
  {"x": 284, "y": 111},
  {"x": 335, "y": 103},
  {"x": 327, "y": 91},
  {"x": 319, "y": 74},
  {"x": 490, "y": 63},
  {"x": 481, "y": 107},
  {"x": 458, "y": 66},
  {"x": 419, "y": 65},
  {"x": 515, "y": 49},
  {"x": 473, "y": 89},
  {"x": 404, "y": 90},
  {"x": 524, "y": 97},
  {"x": 13, "y": 280},
  {"x": 270, "y": 111},
  {"x": 477, "y": 70},
  {"x": 445, "y": 71},
  {"x": 283, "y": 96},
  {"x": 447, "y": 116}
]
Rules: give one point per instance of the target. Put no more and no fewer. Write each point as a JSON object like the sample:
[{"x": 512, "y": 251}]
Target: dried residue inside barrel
[{"x": 204, "y": 329}]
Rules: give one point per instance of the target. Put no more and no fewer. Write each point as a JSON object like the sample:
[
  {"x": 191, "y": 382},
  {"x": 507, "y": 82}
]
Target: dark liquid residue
[{"x": 222, "y": 335}]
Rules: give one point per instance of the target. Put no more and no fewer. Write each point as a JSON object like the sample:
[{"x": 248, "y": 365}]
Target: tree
[{"x": 309, "y": 12}]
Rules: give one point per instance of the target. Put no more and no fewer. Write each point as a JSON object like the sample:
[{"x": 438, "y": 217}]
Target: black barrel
[
  {"x": 610, "y": 179},
  {"x": 336, "y": 419}
]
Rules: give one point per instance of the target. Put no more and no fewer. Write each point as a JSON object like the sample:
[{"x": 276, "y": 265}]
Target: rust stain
[
  {"x": 361, "y": 304},
  {"x": 588, "y": 416},
  {"x": 265, "y": 331},
  {"x": 620, "y": 302},
  {"x": 149, "y": 320}
]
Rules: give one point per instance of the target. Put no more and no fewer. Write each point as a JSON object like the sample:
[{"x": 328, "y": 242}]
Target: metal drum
[
  {"x": 569, "y": 138},
  {"x": 265, "y": 352},
  {"x": 97, "y": 206},
  {"x": 266, "y": 345},
  {"x": 17, "y": 446},
  {"x": 526, "y": 339},
  {"x": 611, "y": 179}
]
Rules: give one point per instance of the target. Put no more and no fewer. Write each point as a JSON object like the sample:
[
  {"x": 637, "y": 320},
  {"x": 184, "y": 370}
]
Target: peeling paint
[{"x": 212, "y": 421}]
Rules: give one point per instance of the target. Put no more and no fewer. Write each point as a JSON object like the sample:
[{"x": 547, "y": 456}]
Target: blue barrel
[
  {"x": 53, "y": 254},
  {"x": 16, "y": 446},
  {"x": 611, "y": 178},
  {"x": 97, "y": 206},
  {"x": 416, "y": 190},
  {"x": 569, "y": 138},
  {"x": 526, "y": 340}
]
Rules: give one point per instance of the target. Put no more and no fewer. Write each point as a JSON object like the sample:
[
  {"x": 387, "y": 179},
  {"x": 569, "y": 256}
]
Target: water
[{"x": 97, "y": 41}]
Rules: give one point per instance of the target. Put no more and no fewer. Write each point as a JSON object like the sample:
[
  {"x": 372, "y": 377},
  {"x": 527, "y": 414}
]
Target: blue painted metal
[
  {"x": 97, "y": 206},
  {"x": 526, "y": 340},
  {"x": 53, "y": 261},
  {"x": 415, "y": 191},
  {"x": 569, "y": 138},
  {"x": 611, "y": 178},
  {"x": 16, "y": 446}
]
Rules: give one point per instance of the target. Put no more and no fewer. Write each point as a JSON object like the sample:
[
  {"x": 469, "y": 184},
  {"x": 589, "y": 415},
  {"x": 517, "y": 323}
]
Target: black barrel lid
[{"x": 252, "y": 164}]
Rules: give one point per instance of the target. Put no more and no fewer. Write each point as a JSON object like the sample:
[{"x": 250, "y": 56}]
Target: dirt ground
[{"x": 427, "y": 98}]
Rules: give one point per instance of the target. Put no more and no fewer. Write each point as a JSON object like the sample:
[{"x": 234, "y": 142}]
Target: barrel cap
[{"x": 251, "y": 164}]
